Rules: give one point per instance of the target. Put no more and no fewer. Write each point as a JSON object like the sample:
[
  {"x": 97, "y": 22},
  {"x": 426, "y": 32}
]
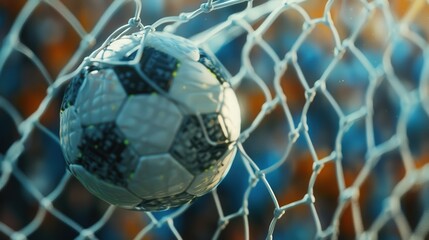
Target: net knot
[
  {"x": 259, "y": 174},
  {"x": 134, "y": 22},
  {"x": 307, "y": 25},
  {"x": 280, "y": 67},
  {"x": 88, "y": 41},
  {"x": 344, "y": 122},
  {"x": 327, "y": 234},
  {"x": 291, "y": 56},
  {"x": 319, "y": 84},
  {"x": 87, "y": 234},
  {"x": 278, "y": 213},
  {"x": 269, "y": 106},
  {"x": 310, "y": 94},
  {"x": 149, "y": 28},
  {"x": 50, "y": 90},
  {"x": 339, "y": 51},
  {"x": 392, "y": 205},
  {"x": 310, "y": 199},
  {"x": 46, "y": 203},
  {"x": 183, "y": 16},
  {"x": 349, "y": 193},
  {"x": 252, "y": 37},
  {"x": 317, "y": 167},
  {"x": 244, "y": 211},
  {"x": 207, "y": 7},
  {"x": 222, "y": 223},
  {"x": 293, "y": 135},
  {"x": 254, "y": 180}
]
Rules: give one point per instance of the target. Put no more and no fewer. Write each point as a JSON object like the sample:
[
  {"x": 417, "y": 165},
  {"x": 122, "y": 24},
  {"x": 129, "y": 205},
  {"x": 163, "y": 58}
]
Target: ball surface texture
[{"x": 149, "y": 128}]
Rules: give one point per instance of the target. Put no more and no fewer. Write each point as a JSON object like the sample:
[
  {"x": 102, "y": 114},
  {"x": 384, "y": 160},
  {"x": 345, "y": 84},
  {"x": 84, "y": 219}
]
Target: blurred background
[{"x": 49, "y": 36}]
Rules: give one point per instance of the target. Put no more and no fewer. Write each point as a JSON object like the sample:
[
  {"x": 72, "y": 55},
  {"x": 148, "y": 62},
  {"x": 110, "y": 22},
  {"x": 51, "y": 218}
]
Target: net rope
[{"x": 255, "y": 20}]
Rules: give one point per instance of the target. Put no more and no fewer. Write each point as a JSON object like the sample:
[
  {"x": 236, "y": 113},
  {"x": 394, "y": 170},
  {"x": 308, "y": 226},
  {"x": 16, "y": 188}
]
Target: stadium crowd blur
[{"x": 52, "y": 39}]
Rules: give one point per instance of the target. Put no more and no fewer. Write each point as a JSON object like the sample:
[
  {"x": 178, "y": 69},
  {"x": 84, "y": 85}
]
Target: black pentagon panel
[
  {"x": 213, "y": 66},
  {"x": 104, "y": 153},
  {"x": 165, "y": 203},
  {"x": 159, "y": 67},
  {"x": 72, "y": 90},
  {"x": 191, "y": 147},
  {"x": 131, "y": 80}
]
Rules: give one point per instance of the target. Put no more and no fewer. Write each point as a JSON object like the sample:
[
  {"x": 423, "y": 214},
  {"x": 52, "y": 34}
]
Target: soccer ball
[{"x": 150, "y": 131}]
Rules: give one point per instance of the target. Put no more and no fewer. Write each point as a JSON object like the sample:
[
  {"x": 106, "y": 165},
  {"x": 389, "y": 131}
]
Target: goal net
[{"x": 334, "y": 97}]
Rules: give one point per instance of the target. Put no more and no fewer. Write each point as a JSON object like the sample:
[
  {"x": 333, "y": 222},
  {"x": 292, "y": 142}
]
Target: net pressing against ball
[
  {"x": 334, "y": 109},
  {"x": 153, "y": 134}
]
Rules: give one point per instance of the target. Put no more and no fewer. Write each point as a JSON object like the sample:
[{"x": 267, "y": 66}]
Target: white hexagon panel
[
  {"x": 119, "y": 48},
  {"x": 100, "y": 97},
  {"x": 149, "y": 122},
  {"x": 196, "y": 88},
  {"x": 230, "y": 110},
  {"x": 159, "y": 176}
]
